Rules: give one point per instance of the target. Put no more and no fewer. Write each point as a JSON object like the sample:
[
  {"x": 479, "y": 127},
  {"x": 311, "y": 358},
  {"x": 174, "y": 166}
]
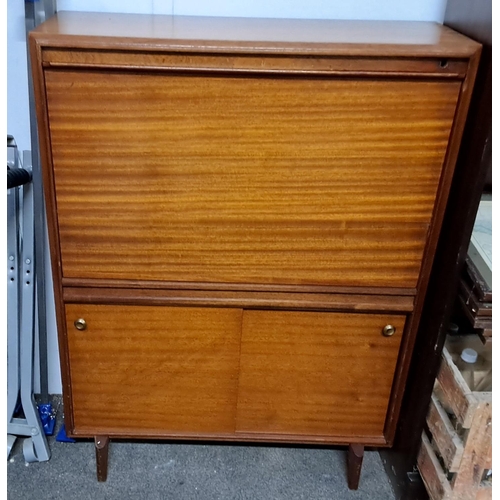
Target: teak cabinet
[{"x": 242, "y": 219}]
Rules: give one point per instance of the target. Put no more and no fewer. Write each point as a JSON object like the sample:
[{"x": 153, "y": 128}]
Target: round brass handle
[
  {"x": 80, "y": 324},
  {"x": 388, "y": 331}
]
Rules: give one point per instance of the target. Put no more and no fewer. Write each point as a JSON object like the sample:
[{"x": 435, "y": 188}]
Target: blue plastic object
[
  {"x": 48, "y": 418},
  {"x": 62, "y": 437}
]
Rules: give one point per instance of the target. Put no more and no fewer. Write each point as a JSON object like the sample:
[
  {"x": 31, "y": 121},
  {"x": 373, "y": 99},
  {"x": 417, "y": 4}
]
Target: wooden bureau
[{"x": 242, "y": 219}]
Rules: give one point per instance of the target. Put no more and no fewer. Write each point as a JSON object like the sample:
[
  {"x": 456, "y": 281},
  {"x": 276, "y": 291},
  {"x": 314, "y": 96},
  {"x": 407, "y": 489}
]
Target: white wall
[
  {"x": 126, "y": 6},
  {"x": 408, "y": 10},
  {"x": 17, "y": 84},
  {"x": 17, "y": 76}
]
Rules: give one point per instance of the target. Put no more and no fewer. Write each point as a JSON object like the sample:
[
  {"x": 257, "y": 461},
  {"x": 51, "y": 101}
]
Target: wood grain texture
[
  {"x": 153, "y": 369},
  {"x": 246, "y": 180},
  {"x": 445, "y": 437},
  {"x": 316, "y": 373},
  {"x": 242, "y": 159},
  {"x": 42, "y": 120},
  {"x": 467, "y": 483},
  {"x": 246, "y": 35},
  {"x": 435, "y": 480},
  {"x": 240, "y": 437},
  {"x": 456, "y": 392},
  {"x": 247, "y": 300},
  {"x": 485, "y": 492},
  {"x": 234, "y": 287},
  {"x": 472, "y": 165},
  {"x": 275, "y": 64},
  {"x": 422, "y": 300}
]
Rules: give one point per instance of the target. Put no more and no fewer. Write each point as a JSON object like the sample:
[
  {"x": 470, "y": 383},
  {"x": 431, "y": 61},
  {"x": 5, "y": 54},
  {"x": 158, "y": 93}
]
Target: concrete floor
[{"x": 155, "y": 470}]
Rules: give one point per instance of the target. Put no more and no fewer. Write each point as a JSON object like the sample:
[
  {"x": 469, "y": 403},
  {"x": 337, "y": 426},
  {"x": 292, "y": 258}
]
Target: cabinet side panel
[
  {"x": 153, "y": 370},
  {"x": 316, "y": 373},
  {"x": 246, "y": 180}
]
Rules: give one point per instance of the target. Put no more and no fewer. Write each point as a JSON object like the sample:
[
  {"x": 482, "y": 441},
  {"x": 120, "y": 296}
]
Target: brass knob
[
  {"x": 388, "y": 331},
  {"x": 80, "y": 324}
]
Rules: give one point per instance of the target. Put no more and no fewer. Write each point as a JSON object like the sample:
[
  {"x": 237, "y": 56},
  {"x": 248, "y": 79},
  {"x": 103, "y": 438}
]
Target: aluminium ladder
[{"x": 23, "y": 419}]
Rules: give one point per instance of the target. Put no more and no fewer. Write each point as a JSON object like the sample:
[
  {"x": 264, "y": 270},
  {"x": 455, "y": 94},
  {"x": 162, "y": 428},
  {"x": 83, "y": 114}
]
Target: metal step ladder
[{"x": 23, "y": 419}]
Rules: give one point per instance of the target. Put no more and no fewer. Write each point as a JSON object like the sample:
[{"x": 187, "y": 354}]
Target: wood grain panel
[
  {"x": 316, "y": 373},
  {"x": 246, "y": 180},
  {"x": 153, "y": 369},
  {"x": 246, "y": 300},
  {"x": 234, "y": 287}
]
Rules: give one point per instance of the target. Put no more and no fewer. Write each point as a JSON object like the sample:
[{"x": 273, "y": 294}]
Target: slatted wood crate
[{"x": 455, "y": 458}]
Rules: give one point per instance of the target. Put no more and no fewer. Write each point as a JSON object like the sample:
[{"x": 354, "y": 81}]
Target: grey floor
[{"x": 145, "y": 470}]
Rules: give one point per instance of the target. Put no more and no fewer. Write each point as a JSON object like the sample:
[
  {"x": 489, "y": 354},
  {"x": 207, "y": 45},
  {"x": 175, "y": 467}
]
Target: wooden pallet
[{"x": 454, "y": 459}]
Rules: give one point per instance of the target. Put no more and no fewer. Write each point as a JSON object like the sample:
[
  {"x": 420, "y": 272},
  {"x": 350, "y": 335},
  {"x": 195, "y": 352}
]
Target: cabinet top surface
[{"x": 212, "y": 34}]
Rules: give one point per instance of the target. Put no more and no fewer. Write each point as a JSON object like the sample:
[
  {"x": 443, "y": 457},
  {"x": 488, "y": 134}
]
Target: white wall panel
[
  {"x": 125, "y": 6},
  {"x": 408, "y": 10},
  {"x": 163, "y": 7}
]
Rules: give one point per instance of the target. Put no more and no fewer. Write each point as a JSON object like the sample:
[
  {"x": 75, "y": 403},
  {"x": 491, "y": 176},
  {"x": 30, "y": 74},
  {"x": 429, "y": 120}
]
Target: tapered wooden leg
[
  {"x": 101, "y": 457},
  {"x": 354, "y": 462}
]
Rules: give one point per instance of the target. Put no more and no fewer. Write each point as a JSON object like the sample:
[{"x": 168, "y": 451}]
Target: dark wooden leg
[
  {"x": 354, "y": 462},
  {"x": 101, "y": 457}
]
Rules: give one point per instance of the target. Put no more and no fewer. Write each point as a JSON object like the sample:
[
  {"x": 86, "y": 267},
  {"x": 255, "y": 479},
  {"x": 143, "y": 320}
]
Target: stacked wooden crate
[
  {"x": 475, "y": 296},
  {"x": 455, "y": 456}
]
